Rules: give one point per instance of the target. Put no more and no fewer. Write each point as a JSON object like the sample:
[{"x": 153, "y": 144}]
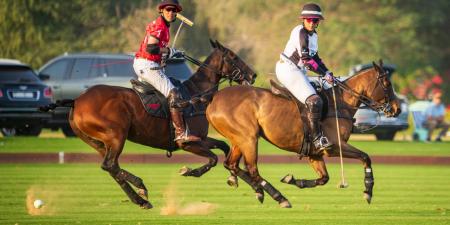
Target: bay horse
[
  {"x": 242, "y": 114},
  {"x": 106, "y": 116}
]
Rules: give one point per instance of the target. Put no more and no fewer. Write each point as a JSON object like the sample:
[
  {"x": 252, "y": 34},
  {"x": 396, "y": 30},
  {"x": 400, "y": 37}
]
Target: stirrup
[{"x": 321, "y": 143}]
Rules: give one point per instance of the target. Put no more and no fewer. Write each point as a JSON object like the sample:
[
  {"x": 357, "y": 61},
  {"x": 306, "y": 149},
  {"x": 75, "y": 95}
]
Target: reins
[
  {"x": 235, "y": 76},
  {"x": 376, "y": 106}
]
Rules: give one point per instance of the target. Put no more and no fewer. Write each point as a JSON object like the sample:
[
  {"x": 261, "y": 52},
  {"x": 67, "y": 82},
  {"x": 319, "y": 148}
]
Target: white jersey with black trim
[{"x": 294, "y": 43}]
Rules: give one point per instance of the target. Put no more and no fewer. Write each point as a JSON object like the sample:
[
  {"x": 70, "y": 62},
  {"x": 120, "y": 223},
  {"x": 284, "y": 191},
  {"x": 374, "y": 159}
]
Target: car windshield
[{"x": 17, "y": 74}]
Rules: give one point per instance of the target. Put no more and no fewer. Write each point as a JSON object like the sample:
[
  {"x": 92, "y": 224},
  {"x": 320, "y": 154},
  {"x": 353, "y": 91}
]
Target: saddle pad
[{"x": 156, "y": 104}]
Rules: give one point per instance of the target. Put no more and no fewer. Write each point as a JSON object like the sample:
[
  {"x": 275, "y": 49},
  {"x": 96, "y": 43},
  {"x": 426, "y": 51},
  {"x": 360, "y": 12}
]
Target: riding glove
[
  {"x": 174, "y": 53},
  {"x": 329, "y": 77}
]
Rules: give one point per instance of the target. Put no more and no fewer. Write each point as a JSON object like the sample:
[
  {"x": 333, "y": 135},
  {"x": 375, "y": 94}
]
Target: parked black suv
[
  {"x": 71, "y": 74},
  {"x": 21, "y": 93}
]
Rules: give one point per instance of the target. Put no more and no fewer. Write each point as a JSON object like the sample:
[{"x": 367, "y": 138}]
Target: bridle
[
  {"x": 384, "y": 107},
  {"x": 236, "y": 75}
]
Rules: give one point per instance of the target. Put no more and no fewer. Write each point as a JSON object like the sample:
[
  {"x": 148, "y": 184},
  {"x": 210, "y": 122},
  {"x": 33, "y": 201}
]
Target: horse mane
[
  {"x": 361, "y": 72},
  {"x": 198, "y": 72}
]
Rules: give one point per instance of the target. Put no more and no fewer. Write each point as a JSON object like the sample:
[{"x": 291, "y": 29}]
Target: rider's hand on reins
[{"x": 329, "y": 77}]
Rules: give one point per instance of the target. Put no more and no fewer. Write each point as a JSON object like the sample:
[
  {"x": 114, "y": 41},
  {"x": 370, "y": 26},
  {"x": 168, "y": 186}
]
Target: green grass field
[
  {"x": 84, "y": 194},
  {"x": 24, "y": 144}
]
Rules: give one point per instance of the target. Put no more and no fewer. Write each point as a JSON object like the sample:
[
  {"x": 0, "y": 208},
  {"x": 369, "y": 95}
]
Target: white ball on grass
[{"x": 38, "y": 203}]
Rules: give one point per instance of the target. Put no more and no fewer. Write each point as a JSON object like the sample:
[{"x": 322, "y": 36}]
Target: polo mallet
[
  {"x": 343, "y": 184},
  {"x": 184, "y": 20}
]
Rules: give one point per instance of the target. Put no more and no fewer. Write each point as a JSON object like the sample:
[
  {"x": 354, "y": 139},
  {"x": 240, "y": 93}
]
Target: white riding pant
[
  {"x": 145, "y": 70},
  {"x": 294, "y": 79}
]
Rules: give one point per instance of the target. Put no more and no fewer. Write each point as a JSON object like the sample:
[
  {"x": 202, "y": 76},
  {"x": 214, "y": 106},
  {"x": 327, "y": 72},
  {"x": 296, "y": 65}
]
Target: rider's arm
[
  {"x": 312, "y": 63},
  {"x": 153, "y": 47},
  {"x": 322, "y": 69}
]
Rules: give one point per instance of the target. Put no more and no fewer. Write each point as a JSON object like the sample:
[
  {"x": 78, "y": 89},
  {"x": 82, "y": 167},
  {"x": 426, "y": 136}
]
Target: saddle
[
  {"x": 157, "y": 105},
  {"x": 277, "y": 89}
]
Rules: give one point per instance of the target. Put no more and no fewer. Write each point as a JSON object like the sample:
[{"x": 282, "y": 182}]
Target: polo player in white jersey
[{"x": 300, "y": 55}]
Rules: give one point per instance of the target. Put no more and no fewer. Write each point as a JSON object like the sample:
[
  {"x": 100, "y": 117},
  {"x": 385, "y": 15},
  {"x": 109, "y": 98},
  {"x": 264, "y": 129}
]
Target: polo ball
[{"x": 38, "y": 203}]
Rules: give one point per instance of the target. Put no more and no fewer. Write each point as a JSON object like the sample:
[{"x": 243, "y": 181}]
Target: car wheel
[
  {"x": 415, "y": 137},
  {"x": 8, "y": 132},
  {"x": 386, "y": 136},
  {"x": 68, "y": 132},
  {"x": 29, "y": 131}
]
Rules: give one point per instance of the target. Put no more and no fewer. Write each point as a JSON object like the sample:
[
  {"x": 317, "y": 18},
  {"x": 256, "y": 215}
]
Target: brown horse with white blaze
[
  {"x": 106, "y": 116},
  {"x": 242, "y": 114}
]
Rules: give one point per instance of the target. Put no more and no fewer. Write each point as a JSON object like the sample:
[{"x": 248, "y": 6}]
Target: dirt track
[{"x": 186, "y": 158}]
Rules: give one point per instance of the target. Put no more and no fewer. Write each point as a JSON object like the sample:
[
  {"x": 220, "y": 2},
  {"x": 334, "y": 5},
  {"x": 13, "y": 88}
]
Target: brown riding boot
[{"x": 181, "y": 134}]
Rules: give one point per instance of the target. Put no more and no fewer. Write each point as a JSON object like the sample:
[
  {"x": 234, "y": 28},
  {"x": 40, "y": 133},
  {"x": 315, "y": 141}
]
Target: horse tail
[{"x": 59, "y": 103}]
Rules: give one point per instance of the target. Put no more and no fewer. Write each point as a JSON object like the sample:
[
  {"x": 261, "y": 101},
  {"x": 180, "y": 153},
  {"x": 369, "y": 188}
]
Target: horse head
[
  {"x": 230, "y": 65},
  {"x": 381, "y": 92}
]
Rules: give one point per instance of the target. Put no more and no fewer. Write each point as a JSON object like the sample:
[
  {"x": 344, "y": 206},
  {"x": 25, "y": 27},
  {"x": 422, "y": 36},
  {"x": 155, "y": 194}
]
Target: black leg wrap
[
  {"x": 274, "y": 193},
  {"x": 245, "y": 177},
  {"x": 305, "y": 183},
  {"x": 135, "y": 198},
  {"x": 136, "y": 181},
  {"x": 369, "y": 181}
]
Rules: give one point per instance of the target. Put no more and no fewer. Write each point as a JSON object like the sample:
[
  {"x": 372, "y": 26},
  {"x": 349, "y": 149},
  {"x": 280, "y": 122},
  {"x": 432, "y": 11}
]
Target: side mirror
[{"x": 44, "y": 77}]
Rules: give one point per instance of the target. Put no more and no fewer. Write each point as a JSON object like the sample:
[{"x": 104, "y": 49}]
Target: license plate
[{"x": 22, "y": 94}]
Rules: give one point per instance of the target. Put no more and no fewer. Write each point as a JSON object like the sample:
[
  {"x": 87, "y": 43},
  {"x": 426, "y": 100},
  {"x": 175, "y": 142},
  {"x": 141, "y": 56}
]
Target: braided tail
[{"x": 59, "y": 103}]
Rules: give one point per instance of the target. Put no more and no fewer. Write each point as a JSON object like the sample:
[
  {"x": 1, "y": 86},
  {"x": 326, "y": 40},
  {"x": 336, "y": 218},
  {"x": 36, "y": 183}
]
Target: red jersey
[{"x": 159, "y": 30}]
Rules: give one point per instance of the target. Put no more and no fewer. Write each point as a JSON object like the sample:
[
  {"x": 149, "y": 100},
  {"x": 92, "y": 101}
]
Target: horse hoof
[
  {"x": 368, "y": 197},
  {"x": 146, "y": 205},
  {"x": 260, "y": 197},
  {"x": 232, "y": 181},
  {"x": 143, "y": 193},
  {"x": 285, "y": 204},
  {"x": 288, "y": 179},
  {"x": 184, "y": 171}
]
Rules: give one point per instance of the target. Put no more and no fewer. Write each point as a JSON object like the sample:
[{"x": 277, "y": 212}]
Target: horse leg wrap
[
  {"x": 135, "y": 198},
  {"x": 305, "y": 183},
  {"x": 245, "y": 177},
  {"x": 274, "y": 193},
  {"x": 368, "y": 180},
  {"x": 127, "y": 176}
]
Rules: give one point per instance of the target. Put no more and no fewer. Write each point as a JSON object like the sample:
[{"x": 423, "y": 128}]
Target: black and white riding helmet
[{"x": 311, "y": 10}]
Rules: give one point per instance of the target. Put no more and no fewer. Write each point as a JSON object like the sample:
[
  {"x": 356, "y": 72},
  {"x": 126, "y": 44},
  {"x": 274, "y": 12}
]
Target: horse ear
[
  {"x": 375, "y": 66},
  {"x": 220, "y": 46},
  {"x": 381, "y": 63},
  {"x": 213, "y": 44}
]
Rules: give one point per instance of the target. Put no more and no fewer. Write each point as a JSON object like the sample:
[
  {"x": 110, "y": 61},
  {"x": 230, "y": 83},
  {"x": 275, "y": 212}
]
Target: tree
[{"x": 37, "y": 30}]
